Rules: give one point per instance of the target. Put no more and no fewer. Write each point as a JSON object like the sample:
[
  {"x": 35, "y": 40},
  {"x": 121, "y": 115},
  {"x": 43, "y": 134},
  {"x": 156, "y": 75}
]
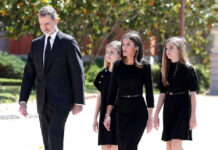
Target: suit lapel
[{"x": 55, "y": 48}]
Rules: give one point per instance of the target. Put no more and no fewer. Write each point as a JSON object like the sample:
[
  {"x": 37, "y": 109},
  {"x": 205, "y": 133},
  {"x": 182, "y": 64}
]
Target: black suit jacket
[{"x": 64, "y": 76}]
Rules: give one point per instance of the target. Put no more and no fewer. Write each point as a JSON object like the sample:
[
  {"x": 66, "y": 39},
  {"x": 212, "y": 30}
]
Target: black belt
[
  {"x": 130, "y": 96},
  {"x": 176, "y": 93}
]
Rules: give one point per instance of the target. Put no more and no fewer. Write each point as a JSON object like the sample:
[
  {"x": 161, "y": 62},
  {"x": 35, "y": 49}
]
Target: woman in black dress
[
  {"x": 108, "y": 139},
  {"x": 129, "y": 76},
  {"x": 178, "y": 85}
]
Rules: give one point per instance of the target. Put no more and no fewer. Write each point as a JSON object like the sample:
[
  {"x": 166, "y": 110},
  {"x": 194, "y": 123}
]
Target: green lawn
[
  {"x": 10, "y": 94},
  {"x": 12, "y": 82}
]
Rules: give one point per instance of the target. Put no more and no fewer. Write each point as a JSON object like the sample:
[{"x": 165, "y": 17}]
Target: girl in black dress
[
  {"x": 178, "y": 85},
  {"x": 129, "y": 76},
  {"x": 108, "y": 139}
]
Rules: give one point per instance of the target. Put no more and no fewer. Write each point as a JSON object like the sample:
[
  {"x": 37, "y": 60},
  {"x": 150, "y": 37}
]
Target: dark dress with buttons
[
  {"x": 105, "y": 137},
  {"x": 177, "y": 104},
  {"x": 127, "y": 82}
]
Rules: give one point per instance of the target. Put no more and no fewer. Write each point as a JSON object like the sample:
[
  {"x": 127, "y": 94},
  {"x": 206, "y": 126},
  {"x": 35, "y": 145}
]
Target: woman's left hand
[
  {"x": 107, "y": 122},
  {"x": 149, "y": 124},
  {"x": 192, "y": 122}
]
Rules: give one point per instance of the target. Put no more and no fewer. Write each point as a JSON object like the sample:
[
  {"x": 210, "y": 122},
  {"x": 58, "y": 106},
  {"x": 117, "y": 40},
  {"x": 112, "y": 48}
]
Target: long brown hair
[
  {"x": 135, "y": 37},
  {"x": 183, "y": 59},
  {"x": 117, "y": 46}
]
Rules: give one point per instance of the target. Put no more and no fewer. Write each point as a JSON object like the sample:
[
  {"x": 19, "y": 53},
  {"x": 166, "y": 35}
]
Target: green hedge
[
  {"x": 155, "y": 75},
  {"x": 203, "y": 75},
  {"x": 11, "y": 66},
  {"x": 92, "y": 73}
]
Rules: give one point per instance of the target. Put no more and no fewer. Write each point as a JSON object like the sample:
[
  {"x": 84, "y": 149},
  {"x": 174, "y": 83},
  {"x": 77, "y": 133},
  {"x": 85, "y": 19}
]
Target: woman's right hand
[
  {"x": 95, "y": 126},
  {"x": 156, "y": 122},
  {"x": 107, "y": 122}
]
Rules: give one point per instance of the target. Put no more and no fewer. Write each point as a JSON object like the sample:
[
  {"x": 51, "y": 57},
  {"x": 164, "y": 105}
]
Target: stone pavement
[{"x": 19, "y": 133}]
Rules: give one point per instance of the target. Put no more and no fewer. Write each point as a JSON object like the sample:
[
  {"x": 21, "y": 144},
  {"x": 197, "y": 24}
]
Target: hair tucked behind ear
[{"x": 135, "y": 37}]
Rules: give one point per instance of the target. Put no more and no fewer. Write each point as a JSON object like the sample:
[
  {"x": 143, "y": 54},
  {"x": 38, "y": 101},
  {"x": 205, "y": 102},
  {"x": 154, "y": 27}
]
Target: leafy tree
[{"x": 100, "y": 21}]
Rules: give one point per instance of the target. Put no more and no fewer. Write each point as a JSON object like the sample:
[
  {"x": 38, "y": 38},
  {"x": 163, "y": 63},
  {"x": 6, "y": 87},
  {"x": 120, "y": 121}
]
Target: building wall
[{"x": 21, "y": 46}]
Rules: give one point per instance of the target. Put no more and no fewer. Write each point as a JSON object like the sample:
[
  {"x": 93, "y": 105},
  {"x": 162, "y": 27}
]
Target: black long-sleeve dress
[
  {"x": 105, "y": 137},
  {"x": 177, "y": 104},
  {"x": 127, "y": 82}
]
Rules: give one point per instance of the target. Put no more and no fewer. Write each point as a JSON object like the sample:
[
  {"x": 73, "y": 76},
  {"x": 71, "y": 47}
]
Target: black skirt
[
  {"x": 107, "y": 137},
  {"x": 131, "y": 122},
  {"x": 176, "y": 116}
]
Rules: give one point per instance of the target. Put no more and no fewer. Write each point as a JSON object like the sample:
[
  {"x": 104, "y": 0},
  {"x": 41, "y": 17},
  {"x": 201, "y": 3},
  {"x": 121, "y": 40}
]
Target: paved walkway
[{"x": 19, "y": 133}]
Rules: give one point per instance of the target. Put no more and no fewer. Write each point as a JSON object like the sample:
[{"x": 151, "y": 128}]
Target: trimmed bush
[
  {"x": 155, "y": 75},
  {"x": 92, "y": 73},
  {"x": 11, "y": 66},
  {"x": 203, "y": 75}
]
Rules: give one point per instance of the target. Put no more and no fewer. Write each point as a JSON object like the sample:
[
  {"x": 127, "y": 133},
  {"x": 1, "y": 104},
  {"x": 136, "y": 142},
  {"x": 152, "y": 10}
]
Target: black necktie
[{"x": 47, "y": 52}]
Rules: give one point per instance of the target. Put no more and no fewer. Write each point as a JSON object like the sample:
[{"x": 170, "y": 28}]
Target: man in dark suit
[{"x": 55, "y": 65}]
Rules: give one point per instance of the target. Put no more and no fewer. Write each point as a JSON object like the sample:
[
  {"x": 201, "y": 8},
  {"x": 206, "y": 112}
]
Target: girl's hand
[
  {"x": 156, "y": 122},
  {"x": 192, "y": 122},
  {"x": 149, "y": 124},
  {"x": 107, "y": 122},
  {"x": 95, "y": 126}
]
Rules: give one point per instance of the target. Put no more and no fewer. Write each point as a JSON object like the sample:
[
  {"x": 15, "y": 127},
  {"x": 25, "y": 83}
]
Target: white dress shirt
[{"x": 51, "y": 42}]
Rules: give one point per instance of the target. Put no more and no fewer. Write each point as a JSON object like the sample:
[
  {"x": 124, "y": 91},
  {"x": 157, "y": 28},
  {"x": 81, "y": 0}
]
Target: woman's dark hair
[{"x": 135, "y": 37}]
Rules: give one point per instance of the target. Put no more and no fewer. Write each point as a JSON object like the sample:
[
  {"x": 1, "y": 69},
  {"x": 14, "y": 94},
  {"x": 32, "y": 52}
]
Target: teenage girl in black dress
[
  {"x": 129, "y": 76},
  {"x": 178, "y": 85},
  {"x": 108, "y": 139}
]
